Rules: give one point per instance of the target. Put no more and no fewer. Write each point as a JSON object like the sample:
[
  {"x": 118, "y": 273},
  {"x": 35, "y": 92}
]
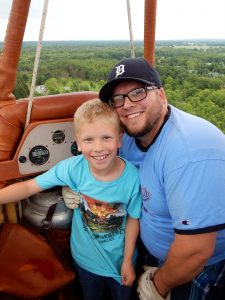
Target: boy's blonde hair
[{"x": 91, "y": 110}]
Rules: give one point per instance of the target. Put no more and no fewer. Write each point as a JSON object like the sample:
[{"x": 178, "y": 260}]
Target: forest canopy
[{"x": 192, "y": 72}]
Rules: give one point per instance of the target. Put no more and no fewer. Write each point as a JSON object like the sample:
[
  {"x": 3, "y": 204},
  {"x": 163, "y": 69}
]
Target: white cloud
[
  {"x": 5, "y": 9},
  {"x": 190, "y": 19},
  {"x": 107, "y": 19}
]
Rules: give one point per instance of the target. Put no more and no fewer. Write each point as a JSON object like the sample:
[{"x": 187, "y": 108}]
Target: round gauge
[
  {"x": 74, "y": 149},
  {"x": 58, "y": 136},
  {"x": 39, "y": 155}
]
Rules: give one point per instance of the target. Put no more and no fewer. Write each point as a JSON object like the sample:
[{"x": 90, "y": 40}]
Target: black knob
[{"x": 22, "y": 159}]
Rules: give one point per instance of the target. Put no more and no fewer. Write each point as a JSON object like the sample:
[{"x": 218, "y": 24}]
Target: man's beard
[
  {"x": 141, "y": 132},
  {"x": 151, "y": 122}
]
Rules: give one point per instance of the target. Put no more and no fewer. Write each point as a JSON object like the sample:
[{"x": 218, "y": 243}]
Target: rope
[
  {"x": 130, "y": 29},
  {"x": 36, "y": 63}
]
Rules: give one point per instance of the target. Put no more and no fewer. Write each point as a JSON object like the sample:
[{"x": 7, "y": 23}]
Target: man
[{"x": 181, "y": 160}]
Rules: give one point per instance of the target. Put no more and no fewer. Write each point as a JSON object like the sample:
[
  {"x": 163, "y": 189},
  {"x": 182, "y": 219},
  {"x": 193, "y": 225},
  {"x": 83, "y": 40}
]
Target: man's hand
[
  {"x": 146, "y": 288},
  {"x": 71, "y": 198}
]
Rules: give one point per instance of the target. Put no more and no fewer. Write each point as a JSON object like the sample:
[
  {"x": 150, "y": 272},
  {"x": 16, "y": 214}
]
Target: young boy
[{"x": 105, "y": 226}]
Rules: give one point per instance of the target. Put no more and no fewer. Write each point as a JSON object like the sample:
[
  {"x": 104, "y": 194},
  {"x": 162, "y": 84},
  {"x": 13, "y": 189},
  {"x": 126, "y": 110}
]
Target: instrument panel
[{"x": 45, "y": 145}]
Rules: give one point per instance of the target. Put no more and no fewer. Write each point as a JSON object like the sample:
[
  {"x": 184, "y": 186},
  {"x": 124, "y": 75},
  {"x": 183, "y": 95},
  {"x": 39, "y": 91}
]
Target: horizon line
[{"x": 127, "y": 40}]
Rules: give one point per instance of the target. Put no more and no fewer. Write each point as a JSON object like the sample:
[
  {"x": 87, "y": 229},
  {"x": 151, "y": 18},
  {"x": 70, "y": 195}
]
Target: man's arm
[
  {"x": 187, "y": 256},
  {"x": 131, "y": 233},
  {"x": 19, "y": 191}
]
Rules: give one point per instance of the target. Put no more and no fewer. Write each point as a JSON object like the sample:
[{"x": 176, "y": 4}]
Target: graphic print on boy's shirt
[{"x": 102, "y": 220}]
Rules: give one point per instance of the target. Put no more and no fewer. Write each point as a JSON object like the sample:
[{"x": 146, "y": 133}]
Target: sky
[{"x": 107, "y": 19}]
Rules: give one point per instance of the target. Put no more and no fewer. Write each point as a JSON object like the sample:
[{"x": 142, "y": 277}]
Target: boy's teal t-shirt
[{"x": 98, "y": 225}]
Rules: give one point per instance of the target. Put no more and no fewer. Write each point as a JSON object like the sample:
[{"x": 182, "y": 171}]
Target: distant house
[
  {"x": 40, "y": 89},
  {"x": 67, "y": 88}
]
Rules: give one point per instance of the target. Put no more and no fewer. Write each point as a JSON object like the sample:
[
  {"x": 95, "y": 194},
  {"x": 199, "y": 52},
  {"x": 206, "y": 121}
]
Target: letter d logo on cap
[{"x": 120, "y": 70}]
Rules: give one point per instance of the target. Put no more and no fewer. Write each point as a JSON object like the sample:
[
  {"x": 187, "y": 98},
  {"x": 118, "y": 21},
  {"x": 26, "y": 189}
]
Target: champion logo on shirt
[
  {"x": 185, "y": 222},
  {"x": 146, "y": 195}
]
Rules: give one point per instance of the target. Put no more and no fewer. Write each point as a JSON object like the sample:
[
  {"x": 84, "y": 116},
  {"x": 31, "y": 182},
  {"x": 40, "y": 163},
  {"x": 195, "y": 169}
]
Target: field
[{"x": 192, "y": 71}]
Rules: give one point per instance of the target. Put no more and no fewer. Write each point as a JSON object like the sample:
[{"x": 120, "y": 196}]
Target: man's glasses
[{"x": 135, "y": 95}]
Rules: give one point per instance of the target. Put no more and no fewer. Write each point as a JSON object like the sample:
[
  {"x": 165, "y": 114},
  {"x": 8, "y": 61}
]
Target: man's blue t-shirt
[
  {"x": 182, "y": 177},
  {"x": 97, "y": 237}
]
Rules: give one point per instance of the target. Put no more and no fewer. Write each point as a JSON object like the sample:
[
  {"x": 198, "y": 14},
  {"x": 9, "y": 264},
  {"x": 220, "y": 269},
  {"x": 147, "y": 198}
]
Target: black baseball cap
[{"x": 137, "y": 69}]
